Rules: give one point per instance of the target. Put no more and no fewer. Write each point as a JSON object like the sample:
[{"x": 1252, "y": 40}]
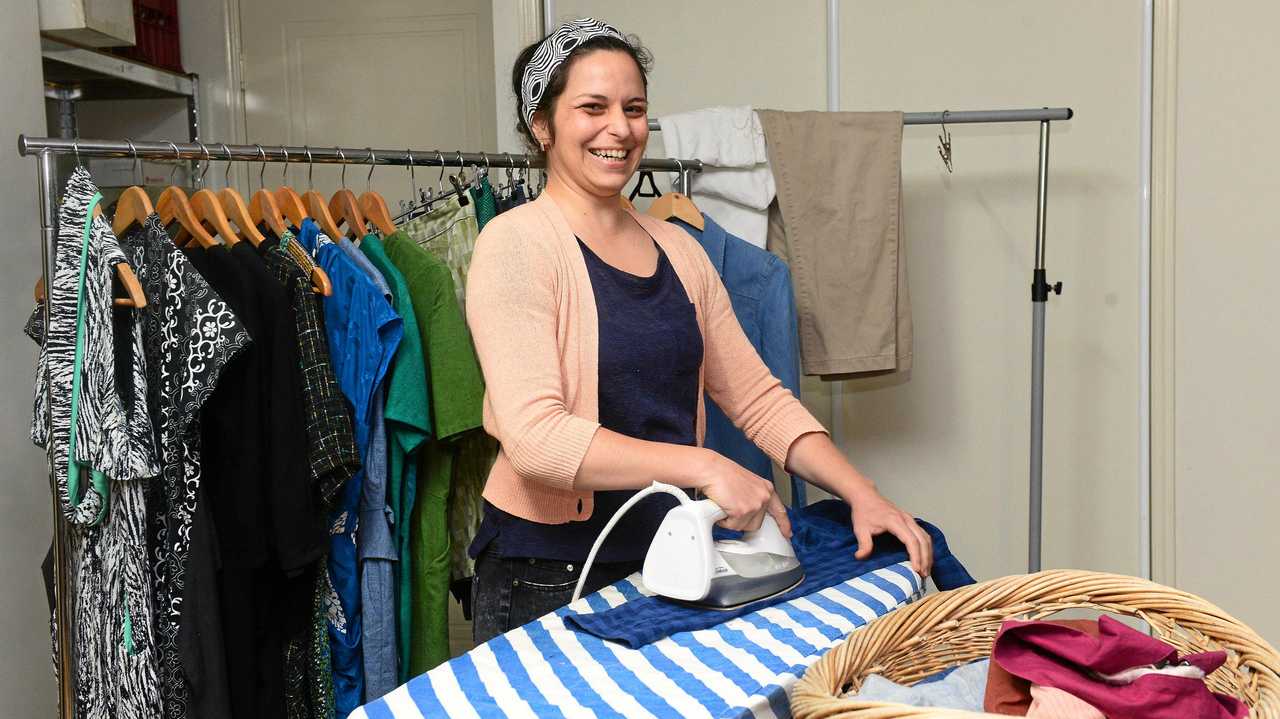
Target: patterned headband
[{"x": 553, "y": 51}]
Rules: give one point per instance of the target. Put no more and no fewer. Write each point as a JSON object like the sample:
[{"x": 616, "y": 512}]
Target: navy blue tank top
[{"x": 649, "y": 356}]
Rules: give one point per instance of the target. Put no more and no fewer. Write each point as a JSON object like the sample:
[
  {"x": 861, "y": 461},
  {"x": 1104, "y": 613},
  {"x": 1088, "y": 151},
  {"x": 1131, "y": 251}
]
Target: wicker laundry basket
[{"x": 959, "y": 626}]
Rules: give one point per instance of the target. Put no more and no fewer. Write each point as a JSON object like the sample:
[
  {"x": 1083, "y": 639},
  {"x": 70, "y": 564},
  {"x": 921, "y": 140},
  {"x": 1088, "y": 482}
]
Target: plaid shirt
[{"x": 331, "y": 442}]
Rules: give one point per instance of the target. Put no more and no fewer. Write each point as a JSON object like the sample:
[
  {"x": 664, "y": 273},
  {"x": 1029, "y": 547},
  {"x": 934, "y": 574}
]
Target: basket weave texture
[{"x": 952, "y": 628}]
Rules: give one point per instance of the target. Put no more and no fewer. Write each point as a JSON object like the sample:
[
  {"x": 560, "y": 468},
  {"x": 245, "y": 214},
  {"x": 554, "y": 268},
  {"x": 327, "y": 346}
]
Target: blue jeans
[{"x": 509, "y": 592}]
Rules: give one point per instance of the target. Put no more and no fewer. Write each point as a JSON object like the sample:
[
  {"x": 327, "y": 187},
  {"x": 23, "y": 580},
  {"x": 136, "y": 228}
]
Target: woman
[{"x": 598, "y": 329}]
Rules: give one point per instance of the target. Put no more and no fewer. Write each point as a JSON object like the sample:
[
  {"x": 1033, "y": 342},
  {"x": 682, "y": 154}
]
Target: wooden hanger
[
  {"x": 315, "y": 205},
  {"x": 134, "y": 296},
  {"x": 626, "y": 204},
  {"x": 263, "y": 207},
  {"x": 376, "y": 211},
  {"x": 291, "y": 205},
  {"x": 234, "y": 208},
  {"x": 674, "y": 204},
  {"x": 287, "y": 199},
  {"x": 320, "y": 283},
  {"x": 210, "y": 211},
  {"x": 174, "y": 205},
  {"x": 344, "y": 208},
  {"x": 677, "y": 205},
  {"x": 233, "y": 205},
  {"x": 319, "y": 212},
  {"x": 133, "y": 206},
  {"x": 374, "y": 206}
]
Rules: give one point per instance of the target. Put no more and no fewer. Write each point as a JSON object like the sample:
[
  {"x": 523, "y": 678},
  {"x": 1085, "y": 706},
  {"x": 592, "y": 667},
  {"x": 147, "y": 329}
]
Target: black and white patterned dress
[
  {"x": 102, "y": 464},
  {"x": 189, "y": 335}
]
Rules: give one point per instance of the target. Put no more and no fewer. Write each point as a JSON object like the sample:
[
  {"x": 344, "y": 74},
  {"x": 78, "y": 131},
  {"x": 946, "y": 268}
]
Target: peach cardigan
[{"x": 532, "y": 314}]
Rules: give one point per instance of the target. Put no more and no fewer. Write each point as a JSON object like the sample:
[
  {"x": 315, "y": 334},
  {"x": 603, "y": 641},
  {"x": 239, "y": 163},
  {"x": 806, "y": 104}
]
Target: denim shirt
[{"x": 759, "y": 286}]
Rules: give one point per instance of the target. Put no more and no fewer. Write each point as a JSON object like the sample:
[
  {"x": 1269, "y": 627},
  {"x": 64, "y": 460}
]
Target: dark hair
[{"x": 631, "y": 46}]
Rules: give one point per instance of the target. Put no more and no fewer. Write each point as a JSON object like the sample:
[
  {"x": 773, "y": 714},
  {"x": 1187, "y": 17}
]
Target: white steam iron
[{"x": 686, "y": 563}]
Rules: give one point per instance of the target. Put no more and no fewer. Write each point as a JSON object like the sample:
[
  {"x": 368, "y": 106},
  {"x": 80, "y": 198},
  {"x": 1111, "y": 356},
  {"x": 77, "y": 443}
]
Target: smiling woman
[{"x": 598, "y": 330}]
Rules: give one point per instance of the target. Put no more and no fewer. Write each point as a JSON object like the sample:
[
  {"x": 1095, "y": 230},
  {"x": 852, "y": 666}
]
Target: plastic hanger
[
  {"x": 235, "y": 209},
  {"x": 174, "y": 205},
  {"x": 207, "y": 208},
  {"x": 374, "y": 206},
  {"x": 263, "y": 207},
  {"x": 134, "y": 206},
  {"x": 639, "y": 190},
  {"x": 290, "y": 203},
  {"x": 344, "y": 208},
  {"x": 316, "y": 206},
  {"x": 676, "y": 205}
]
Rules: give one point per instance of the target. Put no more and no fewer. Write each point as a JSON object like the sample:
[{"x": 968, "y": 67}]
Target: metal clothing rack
[
  {"x": 1040, "y": 287},
  {"x": 46, "y": 149}
]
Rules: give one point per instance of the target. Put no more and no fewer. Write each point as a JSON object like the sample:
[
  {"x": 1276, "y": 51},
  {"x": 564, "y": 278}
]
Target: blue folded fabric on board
[{"x": 823, "y": 538}]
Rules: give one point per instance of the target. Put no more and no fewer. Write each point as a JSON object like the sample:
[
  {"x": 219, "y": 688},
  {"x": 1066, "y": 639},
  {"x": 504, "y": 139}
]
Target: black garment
[
  {"x": 220, "y": 529},
  {"x": 649, "y": 356},
  {"x": 266, "y": 512},
  {"x": 189, "y": 337},
  {"x": 511, "y": 592},
  {"x": 201, "y": 641},
  {"x": 331, "y": 444},
  {"x": 298, "y": 533}
]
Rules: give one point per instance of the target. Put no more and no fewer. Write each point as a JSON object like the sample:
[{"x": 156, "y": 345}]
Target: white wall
[
  {"x": 26, "y": 674},
  {"x": 953, "y": 442},
  {"x": 1227, "y": 251}
]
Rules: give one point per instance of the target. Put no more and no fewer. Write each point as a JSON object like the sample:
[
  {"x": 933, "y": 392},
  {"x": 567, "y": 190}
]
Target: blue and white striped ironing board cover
[{"x": 741, "y": 668}]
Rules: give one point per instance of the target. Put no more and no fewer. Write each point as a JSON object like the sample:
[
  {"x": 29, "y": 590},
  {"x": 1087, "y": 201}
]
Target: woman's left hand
[
  {"x": 814, "y": 457},
  {"x": 873, "y": 514}
]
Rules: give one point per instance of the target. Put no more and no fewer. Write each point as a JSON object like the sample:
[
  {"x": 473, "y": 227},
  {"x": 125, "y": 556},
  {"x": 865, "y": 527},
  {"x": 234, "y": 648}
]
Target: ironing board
[{"x": 742, "y": 668}]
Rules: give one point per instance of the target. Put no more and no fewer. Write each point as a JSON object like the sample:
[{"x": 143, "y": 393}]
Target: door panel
[{"x": 382, "y": 74}]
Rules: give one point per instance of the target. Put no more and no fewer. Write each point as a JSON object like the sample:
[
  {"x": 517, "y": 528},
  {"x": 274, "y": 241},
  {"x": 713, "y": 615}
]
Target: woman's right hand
[{"x": 743, "y": 495}]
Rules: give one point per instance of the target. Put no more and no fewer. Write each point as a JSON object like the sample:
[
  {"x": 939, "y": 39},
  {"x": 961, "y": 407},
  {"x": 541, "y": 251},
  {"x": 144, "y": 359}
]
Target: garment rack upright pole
[
  {"x": 1040, "y": 288},
  {"x": 46, "y": 173}
]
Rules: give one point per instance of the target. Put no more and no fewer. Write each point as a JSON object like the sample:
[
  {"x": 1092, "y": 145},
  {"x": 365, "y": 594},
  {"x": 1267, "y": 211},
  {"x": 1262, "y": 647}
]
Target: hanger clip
[{"x": 944, "y": 144}]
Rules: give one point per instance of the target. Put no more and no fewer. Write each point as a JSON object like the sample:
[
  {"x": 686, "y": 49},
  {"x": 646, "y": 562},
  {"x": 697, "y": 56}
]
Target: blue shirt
[
  {"x": 363, "y": 332},
  {"x": 825, "y": 543},
  {"x": 759, "y": 285},
  {"x": 376, "y": 548}
]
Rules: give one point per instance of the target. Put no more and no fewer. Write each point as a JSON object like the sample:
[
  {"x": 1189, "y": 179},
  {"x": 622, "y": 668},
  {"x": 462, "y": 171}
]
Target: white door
[{"x": 368, "y": 73}]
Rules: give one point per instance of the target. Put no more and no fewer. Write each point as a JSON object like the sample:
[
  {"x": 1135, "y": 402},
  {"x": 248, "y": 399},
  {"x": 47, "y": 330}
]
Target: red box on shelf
[{"x": 155, "y": 23}]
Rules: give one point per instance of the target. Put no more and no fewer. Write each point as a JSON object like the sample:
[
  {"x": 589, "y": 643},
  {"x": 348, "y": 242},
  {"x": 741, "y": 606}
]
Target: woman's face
[{"x": 601, "y": 122}]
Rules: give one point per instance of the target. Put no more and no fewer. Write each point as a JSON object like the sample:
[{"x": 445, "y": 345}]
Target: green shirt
[
  {"x": 457, "y": 390},
  {"x": 408, "y": 422}
]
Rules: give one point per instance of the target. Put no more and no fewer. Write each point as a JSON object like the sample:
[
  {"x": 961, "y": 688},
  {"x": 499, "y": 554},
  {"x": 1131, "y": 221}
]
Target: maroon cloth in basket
[{"x": 1065, "y": 658}]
